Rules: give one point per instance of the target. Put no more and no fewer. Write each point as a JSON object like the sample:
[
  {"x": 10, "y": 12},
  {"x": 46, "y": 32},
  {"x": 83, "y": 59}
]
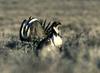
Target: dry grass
[{"x": 80, "y": 30}]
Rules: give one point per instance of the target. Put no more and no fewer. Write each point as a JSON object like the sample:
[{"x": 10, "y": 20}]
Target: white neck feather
[{"x": 56, "y": 29}]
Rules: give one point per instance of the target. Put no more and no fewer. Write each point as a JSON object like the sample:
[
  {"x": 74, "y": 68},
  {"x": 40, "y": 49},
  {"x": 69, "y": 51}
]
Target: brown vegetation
[{"x": 80, "y": 30}]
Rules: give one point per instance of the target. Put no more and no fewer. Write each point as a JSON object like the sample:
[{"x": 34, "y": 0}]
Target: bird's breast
[{"x": 57, "y": 40}]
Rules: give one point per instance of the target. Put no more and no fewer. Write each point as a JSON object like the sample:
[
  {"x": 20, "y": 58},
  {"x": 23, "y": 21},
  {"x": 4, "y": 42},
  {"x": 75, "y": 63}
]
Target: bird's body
[{"x": 49, "y": 48}]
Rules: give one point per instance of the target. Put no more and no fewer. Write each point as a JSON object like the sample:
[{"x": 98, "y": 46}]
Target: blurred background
[{"x": 80, "y": 30}]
